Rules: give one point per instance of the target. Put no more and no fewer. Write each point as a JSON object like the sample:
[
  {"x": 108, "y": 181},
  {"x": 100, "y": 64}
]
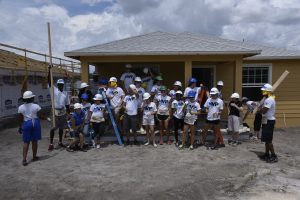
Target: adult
[
  {"x": 155, "y": 90},
  {"x": 61, "y": 106},
  {"x": 192, "y": 86},
  {"x": 127, "y": 77},
  {"x": 234, "y": 108},
  {"x": 220, "y": 86},
  {"x": 268, "y": 123},
  {"x": 84, "y": 89},
  {"x": 250, "y": 107},
  {"x": 30, "y": 125},
  {"x": 141, "y": 91},
  {"x": 148, "y": 79}
]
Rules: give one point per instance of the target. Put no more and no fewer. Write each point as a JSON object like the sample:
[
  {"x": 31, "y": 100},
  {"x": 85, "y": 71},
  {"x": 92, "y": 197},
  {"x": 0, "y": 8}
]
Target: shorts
[
  {"x": 162, "y": 117},
  {"x": 130, "y": 122},
  {"x": 77, "y": 132},
  {"x": 267, "y": 131},
  {"x": 31, "y": 131},
  {"x": 257, "y": 121},
  {"x": 61, "y": 122},
  {"x": 99, "y": 129},
  {"x": 178, "y": 123},
  {"x": 233, "y": 123},
  {"x": 148, "y": 121},
  {"x": 213, "y": 122}
]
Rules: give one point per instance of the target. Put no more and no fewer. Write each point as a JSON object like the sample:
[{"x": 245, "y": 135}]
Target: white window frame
[
  {"x": 209, "y": 67},
  {"x": 269, "y": 65}
]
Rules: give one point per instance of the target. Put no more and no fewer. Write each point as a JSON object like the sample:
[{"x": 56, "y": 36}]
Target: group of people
[{"x": 147, "y": 104}]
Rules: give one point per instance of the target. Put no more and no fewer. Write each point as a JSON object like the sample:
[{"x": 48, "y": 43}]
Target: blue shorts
[{"x": 31, "y": 131}]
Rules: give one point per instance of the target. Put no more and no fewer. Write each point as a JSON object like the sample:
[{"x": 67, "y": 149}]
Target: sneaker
[
  {"x": 230, "y": 141},
  {"x": 272, "y": 159},
  {"x": 146, "y": 144},
  {"x": 51, "y": 147},
  {"x": 176, "y": 144},
  {"x": 155, "y": 145},
  {"x": 191, "y": 147},
  {"x": 135, "y": 142},
  {"x": 169, "y": 142},
  {"x": 181, "y": 147},
  {"x": 98, "y": 146},
  {"x": 69, "y": 149},
  {"x": 35, "y": 159},
  {"x": 264, "y": 157},
  {"x": 24, "y": 163},
  {"x": 61, "y": 145},
  {"x": 238, "y": 142},
  {"x": 214, "y": 147},
  {"x": 161, "y": 141},
  {"x": 221, "y": 145}
]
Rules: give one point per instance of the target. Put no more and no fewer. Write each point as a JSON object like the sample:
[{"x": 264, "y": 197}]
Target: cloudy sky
[{"x": 81, "y": 23}]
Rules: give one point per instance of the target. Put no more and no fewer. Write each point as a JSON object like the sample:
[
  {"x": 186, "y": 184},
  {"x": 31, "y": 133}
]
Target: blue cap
[
  {"x": 103, "y": 81},
  {"x": 192, "y": 80},
  {"x": 191, "y": 94},
  {"x": 84, "y": 96}
]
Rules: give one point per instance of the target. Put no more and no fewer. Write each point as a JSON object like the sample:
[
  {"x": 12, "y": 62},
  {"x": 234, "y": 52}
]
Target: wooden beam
[
  {"x": 85, "y": 71},
  {"x": 238, "y": 75},
  {"x": 187, "y": 71}
]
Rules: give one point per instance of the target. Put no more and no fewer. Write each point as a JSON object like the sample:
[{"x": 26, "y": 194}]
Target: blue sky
[{"x": 81, "y": 23}]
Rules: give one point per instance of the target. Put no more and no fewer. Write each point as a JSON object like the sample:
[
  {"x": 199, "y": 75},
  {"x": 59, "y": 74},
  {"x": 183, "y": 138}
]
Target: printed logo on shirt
[
  {"x": 163, "y": 101},
  {"x": 114, "y": 92},
  {"x": 213, "y": 103},
  {"x": 132, "y": 98},
  {"x": 129, "y": 76},
  {"x": 148, "y": 108},
  {"x": 192, "y": 107},
  {"x": 98, "y": 108}
]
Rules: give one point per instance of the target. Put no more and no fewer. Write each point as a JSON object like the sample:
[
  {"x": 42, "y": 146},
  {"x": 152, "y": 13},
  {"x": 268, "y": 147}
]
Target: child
[
  {"x": 192, "y": 86},
  {"x": 192, "y": 110},
  {"x": 85, "y": 108},
  {"x": 235, "y": 107},
  {"x": 77, "y": 121},
  {"x": 251, "y": 106},
  {"x": 97, "y": 114},
  {"x": 141, "y": 92},
  {"x": 130, "y": 105},
  {"x": 176, "y": 87},
  {"x": 149, "y": 110},
  {"x": 214, "y": 108},
  {"x": 178, "y": 114},
  {"x": 31, "y": 127},
  {"x": 163, "y": 102}
]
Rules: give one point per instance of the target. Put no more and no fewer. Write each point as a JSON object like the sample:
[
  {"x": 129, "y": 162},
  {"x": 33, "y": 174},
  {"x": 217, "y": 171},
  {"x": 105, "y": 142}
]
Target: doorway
[{"x": 205, "y": 75}]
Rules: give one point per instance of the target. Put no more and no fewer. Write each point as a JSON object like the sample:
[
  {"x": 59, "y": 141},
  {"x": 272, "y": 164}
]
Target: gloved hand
[{"x": 20, "y": 130}]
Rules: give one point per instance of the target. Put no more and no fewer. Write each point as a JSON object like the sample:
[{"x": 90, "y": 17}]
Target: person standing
[
  {"x": 141, "y": 91},
  {"x": 84, "y": 89},
  {"x": 155, "y": 90},
  {"x": 234, "y": 108},
  {"x": 176, "y": 87},
  {"x": 268, "y": 123},
  {"x": 178, "y": 114},
  {"x": 148, "y": 79},
  {"x": 220, "y": 86},
  {"x": 30, "y": 126},
  {"x": 61, "y": 106},
  {"x": 251, "y": 106},
  {"x": 127, "y": 77},
  {"x": 192, "y": 86}
]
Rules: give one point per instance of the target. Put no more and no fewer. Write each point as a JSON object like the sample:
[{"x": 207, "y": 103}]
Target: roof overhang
[{"x": 273, "y": 58}]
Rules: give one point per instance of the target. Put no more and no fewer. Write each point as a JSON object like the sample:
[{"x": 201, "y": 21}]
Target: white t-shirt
[
  {"x": 196, "y": 89},
  {"x": 251, "y": 105},
  {"x": 61, "y": 99},
  {"x": 97, "y": 113},
  {"x": 116, "y": 94},
  {"x": 148, "y": 80},
  {"x": 29, "y": 111},
  {"x": 148, "y": 109},
  {"x": 192, "y": 109},
  {"x": 131, "y": 104},
  {"x": 163, "y": 103},
  {"x": 128, "y": 78},
  {"x": 141, "y": 92},
  {"x": 156, "y": 90},
  {"x": 271, "y": 104},
  {"x": 178, "y": 106},
  {"x": 172, "y": 94},
  {"x": 214, "y": 107}
]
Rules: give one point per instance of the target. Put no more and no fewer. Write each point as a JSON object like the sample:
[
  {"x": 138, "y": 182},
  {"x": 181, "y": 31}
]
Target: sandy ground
[{"x": 139, "y": 172}]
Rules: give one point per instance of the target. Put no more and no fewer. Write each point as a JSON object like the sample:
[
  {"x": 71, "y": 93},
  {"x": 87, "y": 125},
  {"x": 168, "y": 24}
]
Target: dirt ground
[{"x": 139, "y": 172}]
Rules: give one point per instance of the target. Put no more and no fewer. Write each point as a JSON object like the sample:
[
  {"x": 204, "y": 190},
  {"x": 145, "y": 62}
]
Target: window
[{"x": 254, "y": 77}]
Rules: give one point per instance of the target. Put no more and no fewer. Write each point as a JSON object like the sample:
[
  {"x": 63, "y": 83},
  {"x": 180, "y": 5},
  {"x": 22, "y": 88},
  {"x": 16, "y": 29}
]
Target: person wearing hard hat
[
  {"x": 163, "y": 102},
  {"x": 268, "y": 123},
  {"x": 147, "y": 79},
  {"x": 61, "y": 106},
  {"x": 115, "y": 95},
  {"x": 103, "y": 82},
  {"x": 85, "y": 108},
  {"x": 192, "y": 85},
  {"x": 77, "y": 123},
  {"x": 177, "y": 106},
  {"x": 214, "y": 107},
  {"x": 220, "y": 86},
  {"x": 176, "y": 87},
  {"x": 30, "y": 126},
  {"x": 131, "y": 106},
  {"x": 192, "y": 110},
  {"x": 250, "y": 107},
  {"x": 155, "y": 90},
  {"x": 97, "y": 115},
  {"x": 84, "y": 89},
  {"x": 141, "y": 91},
  {"x": 149, "y": 110},
  {"x": 234, "y": 108},
  {"x": 127, "y": 77}
]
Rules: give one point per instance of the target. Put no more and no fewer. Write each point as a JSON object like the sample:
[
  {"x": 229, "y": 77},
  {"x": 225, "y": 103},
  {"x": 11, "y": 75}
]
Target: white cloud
[{"x": 94, "y": 2}]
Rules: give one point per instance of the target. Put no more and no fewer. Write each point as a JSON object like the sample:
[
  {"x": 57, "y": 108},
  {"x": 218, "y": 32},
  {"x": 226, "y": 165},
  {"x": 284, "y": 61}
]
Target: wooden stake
[{"x": 51, "y": 76}]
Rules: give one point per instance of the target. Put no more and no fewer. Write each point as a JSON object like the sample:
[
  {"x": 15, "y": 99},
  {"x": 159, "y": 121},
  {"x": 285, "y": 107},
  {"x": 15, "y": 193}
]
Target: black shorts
[
  {"x": 267, "y": 131},
  {"x": 215, "y": 122},
  {"x": 257, "y": 121},
  {"x": 178, "y": 123},
  {"x": 99, "y": 129},
  {"x": 130, "y": 122},
  {"x": 77, "y": 132},
  {"x": 162, "y": 117}
]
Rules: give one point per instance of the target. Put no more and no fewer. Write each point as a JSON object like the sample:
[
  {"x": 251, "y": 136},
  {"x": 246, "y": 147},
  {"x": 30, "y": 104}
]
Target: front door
[{"x": 204, "y": 75}]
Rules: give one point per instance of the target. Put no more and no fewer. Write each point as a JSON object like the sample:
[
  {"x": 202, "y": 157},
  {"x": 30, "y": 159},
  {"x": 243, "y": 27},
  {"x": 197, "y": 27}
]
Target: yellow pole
[{"x": 51, "y": 76}]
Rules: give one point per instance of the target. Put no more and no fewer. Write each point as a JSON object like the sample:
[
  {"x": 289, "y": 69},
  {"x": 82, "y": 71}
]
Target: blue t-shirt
[{"x": 79, "y": 118}]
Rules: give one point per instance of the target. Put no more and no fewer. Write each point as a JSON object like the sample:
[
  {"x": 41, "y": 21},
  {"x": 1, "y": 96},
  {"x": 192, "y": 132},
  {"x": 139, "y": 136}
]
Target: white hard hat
[
  {"x": 146, "y": 96},
  {"x": 77, "y": 106},
  {"x": 267, "y": 87},
  {"x": 60, "y": 81},
  {"x": 128, "y": 66},
  {"x": 178, "y": 83},
  {"x": 132, "y": 86},
  {"x": 214, "y": 91},
  {"x": 220, "y": 83},
  {"x": 178, "y": 92},
  {"x": 98, "y": 97},
  {"x": 145, "y": 70},
  {"x": 28, "y": 95},
  {"x": 138, "y": 79},
  {"x": 235, "y": 95},
  {"x": 113, "y": 79},
  {"x": 83, "y": 85}
]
